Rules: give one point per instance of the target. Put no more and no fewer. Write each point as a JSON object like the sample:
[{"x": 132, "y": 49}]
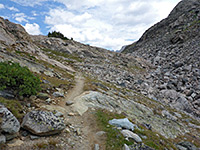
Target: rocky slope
[
  {"x": 84, "y": 87},
  {"x": 172, "y": 46}
]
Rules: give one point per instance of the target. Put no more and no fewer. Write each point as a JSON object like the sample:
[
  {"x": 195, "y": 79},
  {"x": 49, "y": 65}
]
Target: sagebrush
[{"x": 20, "y": 80}]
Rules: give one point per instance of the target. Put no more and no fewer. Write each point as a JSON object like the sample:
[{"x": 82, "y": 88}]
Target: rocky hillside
[
  {"x": 173, "y": 47},
  {"x": 90, "y": 98}
]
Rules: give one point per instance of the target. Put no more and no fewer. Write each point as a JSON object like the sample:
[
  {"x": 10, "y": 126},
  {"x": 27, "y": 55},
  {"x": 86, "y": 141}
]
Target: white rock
[
  {"x": 130, "y": 134},
  {"x": 126, "y": 147}
]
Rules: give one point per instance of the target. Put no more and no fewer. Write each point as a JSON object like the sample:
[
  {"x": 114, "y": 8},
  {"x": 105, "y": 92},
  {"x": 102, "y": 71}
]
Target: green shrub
[
  {"x": 18, "y": 79},
  {"x": 57, "y": 35}
]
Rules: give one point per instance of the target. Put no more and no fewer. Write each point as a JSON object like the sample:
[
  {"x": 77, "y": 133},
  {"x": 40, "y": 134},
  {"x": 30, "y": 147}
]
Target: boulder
[
  {"x": 2, "y": 139},
  {"x": 126, "y": 147},
  {"x": 9, "y": 123},
  {"x": 43, "y": 96},
  {"x": 68, "y": 103},
  {"x": 182, "y": 104},
  {"x": 43, "y": 123},
  {"x": 123, "y": 123},
  {"x": 58, "y": 94},
  {"x": 181, "y": 147},
  {"x": 166, "y": 114},
  {"x": 130, "y": 135},
  {"x": 187, "y": 145},
  {"x": 58, "y": 114},
  {"x": 170, "y": 94},
  {"x": 140, "y": 146}
]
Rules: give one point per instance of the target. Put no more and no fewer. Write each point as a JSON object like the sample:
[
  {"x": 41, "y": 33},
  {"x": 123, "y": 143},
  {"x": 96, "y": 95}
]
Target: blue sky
[{"x": 104, "y": 23}]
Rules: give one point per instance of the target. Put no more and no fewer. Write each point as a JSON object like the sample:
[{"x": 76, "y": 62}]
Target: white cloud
[
  {"x": 29, "y": 2},
  {"x": 34, "y": 13},
  {"x": 107, "y": 23},
  {"x": 60, "y": 16},
  {"x": 13, "y": 9},
  {"x": 21, "y": 17},
  {"x": 33, "y": 29},
  {"x": 2, "y": 6}
]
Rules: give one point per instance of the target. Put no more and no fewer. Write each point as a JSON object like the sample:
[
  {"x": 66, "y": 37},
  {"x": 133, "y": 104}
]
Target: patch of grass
[
  {"x": 41, "y": 145},
  {"x": 135, "y": 68},
  {"x": 55, "y": 81},
  {"x": 192, "y": 120},
  {"x": 94, "y": 84},
  {"x": 89, "y": 84},
  {"x": 64, "y": 73},
  {"x": 145, "y": 100},
  {"x": 9, "y": 49},
  {"x": 14, "y": 106},
  {"x": 190, "y": 138},
  {"x": 114, "y": 139},
  {"x": 154, "y": 139},
  {"x": 25, "y": 54},
  {"x": 71, "y": 58}
]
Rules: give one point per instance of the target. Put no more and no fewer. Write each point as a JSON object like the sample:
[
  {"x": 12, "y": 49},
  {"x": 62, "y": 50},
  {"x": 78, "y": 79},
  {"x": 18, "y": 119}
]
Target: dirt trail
[
  {"x": 85, "y": 124},
  {"x": 77, "y": 90}
]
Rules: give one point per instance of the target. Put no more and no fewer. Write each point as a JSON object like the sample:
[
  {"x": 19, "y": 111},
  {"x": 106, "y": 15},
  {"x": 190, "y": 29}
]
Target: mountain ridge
[{"x": 172, "y": 45}]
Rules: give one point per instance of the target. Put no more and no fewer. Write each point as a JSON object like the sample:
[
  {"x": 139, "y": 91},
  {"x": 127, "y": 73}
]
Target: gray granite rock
[
  {"x": 126, "y": 147},
  {"x": 9, "y": 122},
  {"x": 2, "y": 139},
  {"x": 43, "y": 123},
  {"x": 124, "y": 123},
  {"x": 6, "y": 94},
  {"x": 58, "y": 94},
  {"x": 68, "y": 103},
  {"x": 43, "y": 96},
  {"x": 187, "y": 145},
  {"x": 165, "y": 113},
  {"x": 140, "y": 146},
  {"x": 181, "y": 147},
  {"x": 130, "y": 135}
]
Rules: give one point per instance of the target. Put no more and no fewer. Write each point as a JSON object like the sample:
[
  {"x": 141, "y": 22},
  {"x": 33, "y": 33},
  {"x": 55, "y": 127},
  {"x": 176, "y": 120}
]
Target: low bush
[
  {"x": 57, "y": 35},
  {"x": 18, "y": 79}
]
